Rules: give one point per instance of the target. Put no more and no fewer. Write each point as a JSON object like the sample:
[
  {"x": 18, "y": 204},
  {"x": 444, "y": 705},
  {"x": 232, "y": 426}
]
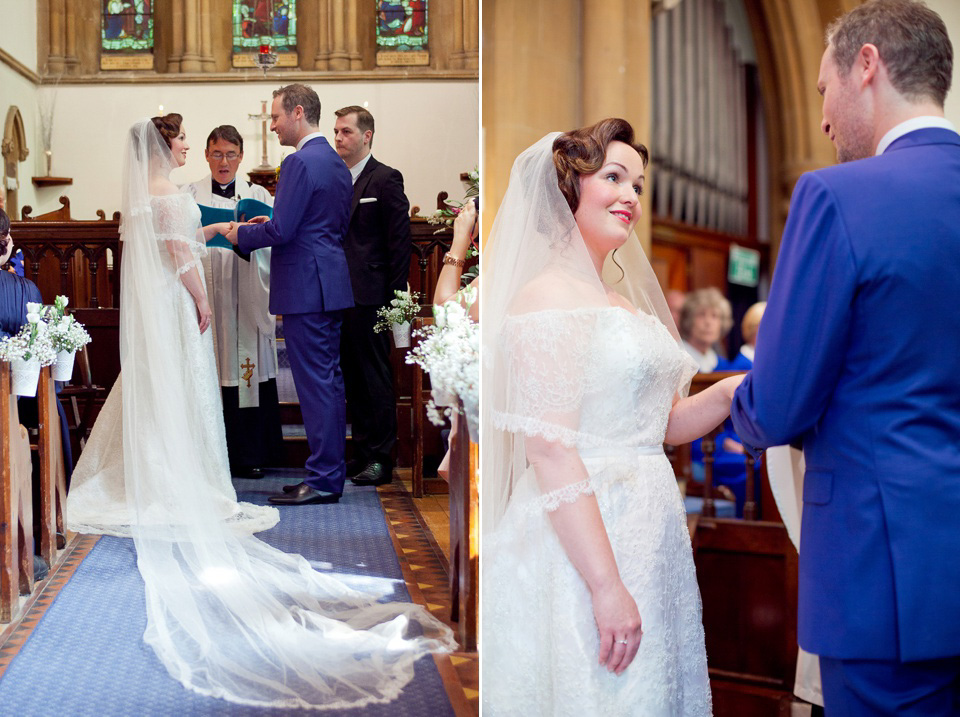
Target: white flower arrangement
[
  {"x": 66, "y": 333},
  {"x": 32, "y": 341},
  {"x": 402, "y": 309},
  {"x": 449, "y": 351}
]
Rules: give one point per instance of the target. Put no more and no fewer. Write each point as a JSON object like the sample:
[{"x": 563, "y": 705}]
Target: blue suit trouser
[
  {"x": 313, "y": 347},
  {"x": 881, "y": 688}
]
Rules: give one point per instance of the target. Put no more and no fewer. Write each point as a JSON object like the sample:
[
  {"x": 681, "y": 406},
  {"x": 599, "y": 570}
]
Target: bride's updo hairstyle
[
  {"x": 581, "y": 152},
  {"x": 169, "y": 126}
]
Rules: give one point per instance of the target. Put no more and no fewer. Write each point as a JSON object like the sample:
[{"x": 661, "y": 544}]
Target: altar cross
[{"x": 263, "y": 116}]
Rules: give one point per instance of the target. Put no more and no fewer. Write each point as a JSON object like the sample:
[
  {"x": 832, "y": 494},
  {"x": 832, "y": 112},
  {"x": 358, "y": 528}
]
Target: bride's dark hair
[
  {"x": 582, "y": 151},
  {"x": 169, "y": 126}
]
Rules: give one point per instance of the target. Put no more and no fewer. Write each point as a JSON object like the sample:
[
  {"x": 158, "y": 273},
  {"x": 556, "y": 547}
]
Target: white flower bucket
[
  {"x": 401, "y": 335},
  {"x": 63, "y": 368},
  {"x": 26, "y": 375}
]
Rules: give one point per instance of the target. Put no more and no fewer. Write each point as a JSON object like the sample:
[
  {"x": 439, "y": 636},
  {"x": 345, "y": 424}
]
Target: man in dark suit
[
  {"x": 378, "y": 254},
  {"x": 847, "y": 363},
  {"x": 309, "y": 283}
]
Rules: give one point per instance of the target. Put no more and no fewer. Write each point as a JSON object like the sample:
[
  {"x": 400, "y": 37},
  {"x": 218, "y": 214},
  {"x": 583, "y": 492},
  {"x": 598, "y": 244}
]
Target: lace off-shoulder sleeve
[
  {"x": 548, "y": 358},
  {"x": 176, "y": 223}
]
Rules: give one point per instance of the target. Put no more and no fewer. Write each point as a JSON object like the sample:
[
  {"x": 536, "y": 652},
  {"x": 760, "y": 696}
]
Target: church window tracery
[
  {"x": 401, "y": 28},
  {"x": 126, "y": 26},
  {"x": 264, "y": 22}
]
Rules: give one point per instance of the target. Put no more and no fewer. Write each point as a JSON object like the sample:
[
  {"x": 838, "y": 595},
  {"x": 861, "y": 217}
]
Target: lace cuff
[
  {"x": 512, "y": 423},
  {"x": 193, "y": 245},
  {"x": 549, "y": 502},
  {"x": 181, "y": 270}
]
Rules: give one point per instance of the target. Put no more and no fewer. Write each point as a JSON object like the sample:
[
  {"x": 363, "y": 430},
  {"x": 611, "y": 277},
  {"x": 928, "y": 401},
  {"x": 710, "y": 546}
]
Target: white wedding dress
[
  {"x": 97, "y": 502},
  {"x": 539, "y": 639}
]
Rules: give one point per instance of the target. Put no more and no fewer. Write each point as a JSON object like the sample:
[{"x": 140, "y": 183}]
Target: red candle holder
[{"x": 264, "y": 49}]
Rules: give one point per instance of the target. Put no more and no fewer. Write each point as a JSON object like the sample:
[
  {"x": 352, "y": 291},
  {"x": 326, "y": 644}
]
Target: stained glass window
[
  {"x": 127, "y": 25},
  {"x": 264, "y": 22},
  {"x": 401, "y": 26}
]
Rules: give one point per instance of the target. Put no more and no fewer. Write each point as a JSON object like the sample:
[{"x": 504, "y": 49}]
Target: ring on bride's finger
[{"x": 622, "y": 642}]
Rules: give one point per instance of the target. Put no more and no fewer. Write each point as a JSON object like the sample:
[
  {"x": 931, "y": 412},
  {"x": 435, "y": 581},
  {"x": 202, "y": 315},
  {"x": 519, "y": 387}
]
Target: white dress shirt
[
  {"x": 306, "y": 139},
  {"x": 912, "y": 125}
]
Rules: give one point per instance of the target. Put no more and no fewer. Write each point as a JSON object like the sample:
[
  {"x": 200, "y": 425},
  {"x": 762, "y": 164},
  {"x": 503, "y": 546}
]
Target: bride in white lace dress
[
  {"x": 590, "y": 599},
  {"x": 228, "y": 615},
  {"x": 97, "y": 502}
]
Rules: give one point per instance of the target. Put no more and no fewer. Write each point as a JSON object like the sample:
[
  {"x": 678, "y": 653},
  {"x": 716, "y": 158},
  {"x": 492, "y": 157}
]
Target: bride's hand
[
  {"x": 204, "y": 314},
  {"x": 618, "y": 621}
]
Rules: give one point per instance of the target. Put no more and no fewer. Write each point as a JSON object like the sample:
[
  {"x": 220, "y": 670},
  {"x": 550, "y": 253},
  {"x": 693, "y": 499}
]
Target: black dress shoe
[
  {"x": 250, "y": 473},
  {"x": 355, "y": 466},
  {"x": 304, "y": 495},
  {"x": 374, "y": 474}
]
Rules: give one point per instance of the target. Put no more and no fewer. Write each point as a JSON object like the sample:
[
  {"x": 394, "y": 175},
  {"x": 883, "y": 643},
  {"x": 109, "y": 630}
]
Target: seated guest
[
  {"x": 705, "y": 319},
  {"x": 15, "y": 293},
  {"x": 743, "y": 361},
  {"x": 465, "y": 230}
]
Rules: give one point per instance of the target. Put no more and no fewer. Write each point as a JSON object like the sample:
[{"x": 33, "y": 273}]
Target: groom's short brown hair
[{"x": 297, "y": 94}]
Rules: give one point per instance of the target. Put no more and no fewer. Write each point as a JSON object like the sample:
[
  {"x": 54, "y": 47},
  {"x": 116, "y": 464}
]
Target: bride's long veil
[
  {"x": 535, "y": 236},
  {"x": 228, "y": 615}
]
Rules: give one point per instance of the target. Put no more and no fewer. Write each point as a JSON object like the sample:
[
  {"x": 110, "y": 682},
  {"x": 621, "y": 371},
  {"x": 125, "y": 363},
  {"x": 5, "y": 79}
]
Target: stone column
[
  {"x": 464, "y": 52},
  {"x": 322, "y": 59},
  {"x": 176, "y": 36},
  {"x": 529, "y": 88},
  {"x": 70, "y": 58},
  {"x": 191, "y": 37},
  {"x": 206, "y": 36},
  {"x": 339, "y": 57},
  {"x": 353, "y": 35},
  {"x": 190, "y": 62},
  {"x": 615, "y": 73},
  {"x": 55, "y": 28}
]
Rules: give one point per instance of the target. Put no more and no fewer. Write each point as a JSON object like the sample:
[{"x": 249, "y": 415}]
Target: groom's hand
[
  {"x": 232, "y": 234},
  {"x": 258, "y": 220}
]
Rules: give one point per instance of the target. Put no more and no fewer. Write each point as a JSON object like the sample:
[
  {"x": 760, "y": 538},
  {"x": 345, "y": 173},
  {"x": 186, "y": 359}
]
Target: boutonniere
[{"x": 279, "y": 167}]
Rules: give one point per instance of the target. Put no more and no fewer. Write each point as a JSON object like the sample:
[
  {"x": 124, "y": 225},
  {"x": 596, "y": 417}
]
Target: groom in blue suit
[
  {"x": 858, "y": 358},
  {"x": 309, "y": 283}
]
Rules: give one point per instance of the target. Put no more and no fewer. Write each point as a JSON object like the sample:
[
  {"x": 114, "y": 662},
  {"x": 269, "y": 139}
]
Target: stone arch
[
  {"x": 14, "y": 150},
  {"x": 788, "y": 36}
]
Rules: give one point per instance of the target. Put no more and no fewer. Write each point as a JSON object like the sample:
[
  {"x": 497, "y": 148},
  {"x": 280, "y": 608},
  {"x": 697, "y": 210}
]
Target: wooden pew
[
  {"x": 16, "y": 503},
  {"x": 464, "y": 535},
  {"x": 53, "y": 479}
]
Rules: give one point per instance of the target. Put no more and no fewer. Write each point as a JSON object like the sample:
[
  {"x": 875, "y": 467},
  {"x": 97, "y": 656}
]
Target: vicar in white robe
[{"x": 245, "y": 331}]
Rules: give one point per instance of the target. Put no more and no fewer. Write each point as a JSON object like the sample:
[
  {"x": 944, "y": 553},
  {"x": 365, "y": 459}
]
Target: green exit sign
[{"x": 744, "y": 266}]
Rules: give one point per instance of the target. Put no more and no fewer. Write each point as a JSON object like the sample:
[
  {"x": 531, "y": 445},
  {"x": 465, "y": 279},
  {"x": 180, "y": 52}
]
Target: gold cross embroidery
[{"x": 248, "y": 373}]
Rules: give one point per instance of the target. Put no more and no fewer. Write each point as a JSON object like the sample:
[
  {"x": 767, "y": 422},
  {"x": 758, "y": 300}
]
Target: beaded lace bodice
[{"x": 614, "y": 385}]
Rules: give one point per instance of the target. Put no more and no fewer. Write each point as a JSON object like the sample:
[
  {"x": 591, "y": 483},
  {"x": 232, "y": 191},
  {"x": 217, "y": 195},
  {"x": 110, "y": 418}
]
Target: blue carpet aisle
[{"x": 86, "y": 656}]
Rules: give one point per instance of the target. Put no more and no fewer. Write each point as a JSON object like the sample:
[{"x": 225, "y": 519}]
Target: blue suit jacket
[
  {"x": 308, "y": 269},
  {"x": 859, "y": 355}
]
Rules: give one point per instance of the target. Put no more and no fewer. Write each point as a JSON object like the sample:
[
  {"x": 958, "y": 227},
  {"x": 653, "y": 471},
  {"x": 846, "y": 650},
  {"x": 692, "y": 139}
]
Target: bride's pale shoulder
[
  {"x": 554, "y": 290},
  {"x": 161, "y": 186}
]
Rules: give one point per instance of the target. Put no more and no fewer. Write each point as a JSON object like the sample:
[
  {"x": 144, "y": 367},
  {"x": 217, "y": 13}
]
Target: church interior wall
[
  {"x": 18, "y": 33},
  {"x": 949, "y": 10},
  {"x": 17, "y": 91},
  {"x": 427, "y": 130}
]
